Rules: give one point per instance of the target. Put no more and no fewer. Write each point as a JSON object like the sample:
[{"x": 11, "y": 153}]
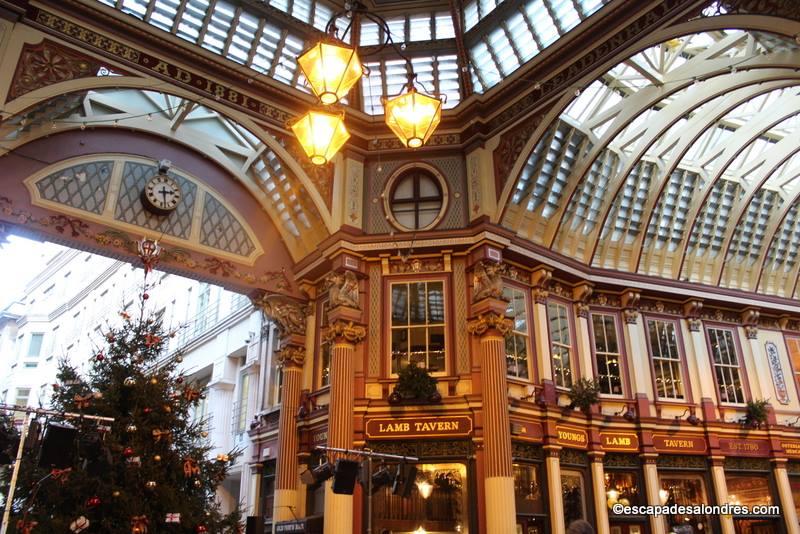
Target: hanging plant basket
[
  {"x": 583, "y": 394},
  {"x": 757, "y": 411},
  {"x": 415, "y": 385}
]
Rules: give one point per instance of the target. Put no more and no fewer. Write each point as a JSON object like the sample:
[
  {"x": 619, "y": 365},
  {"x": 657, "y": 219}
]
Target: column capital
[
  {"x": 288, "y": 314},
  {"x": 695, "y": 324},
  {"x": 649, "y": 458},
  {"x": 292, "y": 356},
  {"x": 552, "y": 451},
  {"x": 630, "y": 302},
  {"x": 489, "y": 321},
  {"x": 341, "y": 330}
]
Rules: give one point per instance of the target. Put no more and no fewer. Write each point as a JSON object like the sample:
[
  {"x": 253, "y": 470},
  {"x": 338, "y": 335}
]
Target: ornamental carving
[
  {"x": 47, "y": 63},
  {"x": 582, "y": 310},
  {"x": 695, "y": 324},
  {"x": 751, "y": 331},
  {"x": 490, "y": 321},
  {"x": 722, "y": 316},
  {"x": 682, "y": 461},
  {"x": 343, "y": 289},
  {"x": 509, "y": 149},
  {"x": 292, "y": 356},
  {"x": 289, "y": 315},
  {"x": 574, "y": 457},
  {"x": 789, "y": 9},
  {"x": 540, "y": 295},
  {"x": 659, "y": 306},
  {"x": 417, "y": 265},
  {"x": 615, "y": 459},
  {"x": 487, "y": 280},
  {"x": 605, "y": 299},
  {"x": 344, "y": 330},
  {"x": 528, "y": 451},
  {"x": 746, "y": 464},
  {"x": 631, "y": 315}
]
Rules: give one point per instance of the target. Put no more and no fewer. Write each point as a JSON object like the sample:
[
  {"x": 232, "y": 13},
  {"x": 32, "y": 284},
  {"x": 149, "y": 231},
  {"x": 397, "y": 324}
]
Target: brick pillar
[{"x": 491, "y": 326}]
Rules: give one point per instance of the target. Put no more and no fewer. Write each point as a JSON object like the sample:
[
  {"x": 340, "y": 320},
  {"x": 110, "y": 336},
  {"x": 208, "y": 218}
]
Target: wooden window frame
[
  {"x": 388, "y": 282},
  {"x": 687, "y": 387},
  {"x": 573, "y": 362},
  {"x": 526, "y": 293},
  {"x": 622, "y": 354},
  {"x": 743, "y": 378}
]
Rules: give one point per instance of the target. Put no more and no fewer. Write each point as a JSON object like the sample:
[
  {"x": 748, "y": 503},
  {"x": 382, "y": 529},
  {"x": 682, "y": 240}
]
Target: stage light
[
  {"x": 382, "y": 477},
  {"x": 344, "y": 476},
  {"x": 404, "y": 480},
  {"x": 321, "y": 473}
]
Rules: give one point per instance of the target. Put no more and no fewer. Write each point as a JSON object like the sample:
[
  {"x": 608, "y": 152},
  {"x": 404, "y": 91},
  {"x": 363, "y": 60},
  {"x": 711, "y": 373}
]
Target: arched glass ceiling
[
  {"x": 268, "y": 38},
  {"x": 681, "y": 161},
  {"x": 256, "y": 164}
]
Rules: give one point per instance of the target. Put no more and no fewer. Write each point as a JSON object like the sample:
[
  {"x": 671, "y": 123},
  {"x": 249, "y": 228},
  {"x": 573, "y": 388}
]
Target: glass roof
[
  {"x": 268, "y": 38},
  {"x": 681, "y": 161}
]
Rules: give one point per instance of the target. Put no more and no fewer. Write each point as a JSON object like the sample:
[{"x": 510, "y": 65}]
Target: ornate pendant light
[
  {"x": 331, "y": 70},
  {"x": 321, "y": 134},
  {"x": 413, "y": 116}
]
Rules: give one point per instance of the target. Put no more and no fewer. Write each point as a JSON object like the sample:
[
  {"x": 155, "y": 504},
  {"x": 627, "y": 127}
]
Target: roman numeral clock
[{"x": 161, "y": 193}]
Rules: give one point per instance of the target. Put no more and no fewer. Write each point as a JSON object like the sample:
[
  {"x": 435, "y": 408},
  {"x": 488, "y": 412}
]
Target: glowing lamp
[
  {"x": 321, "y": 135},
  {"x": 413, "y": 117},
  {"x": 425, "y": 489},
  {"x": 331, "y": 70},
  {"x": 663, "y": 496},
  {"x": 420, "y": 530}
]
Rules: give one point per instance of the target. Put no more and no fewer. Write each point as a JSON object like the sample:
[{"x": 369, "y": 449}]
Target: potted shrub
[
  {"x": 583, "y": 394},
  {"x": 756, "y": 413},
  {"x": 414, "y": 384}
]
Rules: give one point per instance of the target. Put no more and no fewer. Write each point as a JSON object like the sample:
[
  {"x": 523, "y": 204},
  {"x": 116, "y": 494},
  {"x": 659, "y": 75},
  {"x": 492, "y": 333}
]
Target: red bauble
[
  {"x": 127, "y": 452},
  {"x": 145, "y": 296},
  {"x": 201, "y": 528},
  {"x": 147, "y": 410},
  {"x": 179, "y": 380},
  {"x": 93, "y": 501},
  {"x": 56, "y": 387},
  {"x": 100, "y": 357}
]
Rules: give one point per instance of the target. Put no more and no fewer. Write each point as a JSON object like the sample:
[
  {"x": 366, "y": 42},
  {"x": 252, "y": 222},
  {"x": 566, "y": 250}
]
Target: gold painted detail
[
  {"x": 345, "y": 331},
  {"x": 631, "y": 315},
  {"x": 343, "y": 289},
  {"x": 289, "y": 315},
  {"x": 695, "y": 324},
  {"x": 487, "y": 280},
  {"x": 490, "y": 321},
  {"x": 292, "y": 356}
]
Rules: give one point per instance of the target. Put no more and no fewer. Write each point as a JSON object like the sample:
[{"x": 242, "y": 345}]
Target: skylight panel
[
  {"x": 301, "y": 10},
  {"x": 712, "y": 221},
  {"x": 668, "y": 219},
  {"x": 137, "y": 8},
  {"x": 218, "y": 27},
  {"x": 194, "y": 13},
  {"x": 370, "y": 34},
  {"x": 625, "y": 218},
  {"x": 542, "y": 22},
  {"x": 243, "y": 36},
  {"x": 785, "y": 246},
  {"x": 486, "y": 68},
  {"x": 420, "y": 28},
  {"x": 583, "y": 208},
  {"x": 322, "y": 14},
  {"x": 164, "y": 13},
  {"x": 444, "y": 26},
  {"x": 503, "y": 51},
  {"x": 476, "y": 10},
  {"x": 749, "y": 233}
]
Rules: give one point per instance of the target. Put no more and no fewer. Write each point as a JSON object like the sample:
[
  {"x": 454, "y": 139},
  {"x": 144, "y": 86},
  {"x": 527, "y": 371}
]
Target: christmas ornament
[
  {"x": 154, "y": 381},
  {"x": 178, "y": 358},
  {"x": 139, "y": 524},
  {"x": 97, "y": 394},
  {"x": 167, "y": 408},
  {"x": 190, "y": 467},
  {"x": 191, "y": 394},
  {"x": 115, "y": 493},
  {"x": 147, "y": 410},
  {"x": 197, "y": 482},
  {"x": 93, "y": 501},
  {"x": 135, "y": 461},
  {"x": 110, "y": 337},
  {"x": 145, "y": 296},
  {"x": 149, "y": 252},
  {"x": 129, "y": 381},
  {"x": 179, "y": 380},
  {"x": 125, "y": 315},
  {"x": 204, "y": 434},
  {"x": 201, "y": 528},
  {"x": 130, "y": 429},
  {"x": 150, "y": 340},
  {"x": 100, "y": 357},
  {"x": 56, "y": 387},
  {"x": 223, "y": 457},
  {"x": 79, "y": 525},
  {"x": 173, "y": 518},
  {"x": 26, "y": 527},
  {"x": 159, "y": 434},
  {"x": 127, "y": 452},
  {"x": 157, "y": 457},
  {"x": 151, "y": 484}
]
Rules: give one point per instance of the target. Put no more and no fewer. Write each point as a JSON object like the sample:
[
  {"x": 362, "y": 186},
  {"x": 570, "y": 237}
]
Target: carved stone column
[
  {"x": 491, "y": 326},
  {"x": 540, "y": 279},
  {"x": 581, "y": 294},
  {"x": 290, "y": 318},
  {"x": 552, "y": 463},
  {"x": 658, "y": 525},
  {"x": 291, "y": 357},
  {"x": 760, "y": 386},
  {"x": 788, "y": 509},
  {"x": 344, "y": 333},
  {"x": 721, "y": 491},
  {"x": 636, "y": 346}
]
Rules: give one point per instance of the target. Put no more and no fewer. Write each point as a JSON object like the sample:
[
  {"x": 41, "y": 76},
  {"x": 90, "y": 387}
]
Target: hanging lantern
[
  {"x": 413, "y": 116},
  {"x": 321, "y": 134},
  {"x": 331, "y": 70}
]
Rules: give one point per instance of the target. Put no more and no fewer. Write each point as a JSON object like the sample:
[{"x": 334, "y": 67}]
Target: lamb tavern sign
[{"x": 450, "y": 426}]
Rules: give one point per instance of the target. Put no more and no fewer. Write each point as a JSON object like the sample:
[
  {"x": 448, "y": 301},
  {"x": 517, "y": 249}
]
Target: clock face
[{"x": 161, "y": 194}]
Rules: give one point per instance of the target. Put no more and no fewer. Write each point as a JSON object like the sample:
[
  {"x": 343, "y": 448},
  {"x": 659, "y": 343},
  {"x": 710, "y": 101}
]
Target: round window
[{"x": 416, "y": 199}]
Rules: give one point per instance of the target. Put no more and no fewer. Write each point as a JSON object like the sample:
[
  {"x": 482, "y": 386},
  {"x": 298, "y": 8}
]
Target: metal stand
[
  {"x": 29, "y": 414},
  {"x": 369, "y": 455}
]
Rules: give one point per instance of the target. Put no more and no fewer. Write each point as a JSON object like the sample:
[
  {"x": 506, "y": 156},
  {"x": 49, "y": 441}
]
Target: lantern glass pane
[
  {"x": 413, "y": 117},
  {"x": 331, "y": 70},
  {"x": 321, "y": 135}
]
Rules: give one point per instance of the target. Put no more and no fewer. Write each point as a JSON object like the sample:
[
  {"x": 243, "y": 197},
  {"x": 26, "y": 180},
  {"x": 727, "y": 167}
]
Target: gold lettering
[
  {"x": 219, "y": 90},
  {"x": 162, "y": 67},
  {"x": 182, "y": 76},
  {"x": 233, "y": 96}
]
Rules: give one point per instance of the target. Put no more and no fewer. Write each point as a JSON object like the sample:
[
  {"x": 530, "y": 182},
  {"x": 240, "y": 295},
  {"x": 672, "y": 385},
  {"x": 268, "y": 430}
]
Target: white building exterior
[{"x": 65, "y": 309}]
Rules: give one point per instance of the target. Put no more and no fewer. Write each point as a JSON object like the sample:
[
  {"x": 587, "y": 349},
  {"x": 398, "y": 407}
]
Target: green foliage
[
  {"x": 152, "y": 437},
  {"x": 584, "y": 393},
  {"x": 415, "y": 383},
  {"x": 757, "y": 411}
]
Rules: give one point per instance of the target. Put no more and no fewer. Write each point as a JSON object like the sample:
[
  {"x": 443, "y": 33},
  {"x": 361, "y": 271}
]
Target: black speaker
[
  {"x": 344, "y": 476},
  {"x": 58, "y": 446},
  {"x": 254, "y": 525},
  {"x": 404, "y": 479}
]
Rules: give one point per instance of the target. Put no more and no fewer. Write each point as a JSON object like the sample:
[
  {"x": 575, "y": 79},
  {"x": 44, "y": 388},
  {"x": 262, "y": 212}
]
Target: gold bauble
[
  {"x": 151, "y": 484},
  {"x": 157, "y": 457},
  {"x": 154, "y": 381},
  {"x": 130, "y": 381},
  {"x": 197, "y": 482},
  {"x": 167, "y": 408},
  {"x": 115, "y": 493},
  {"x": 204, "y": 434}
]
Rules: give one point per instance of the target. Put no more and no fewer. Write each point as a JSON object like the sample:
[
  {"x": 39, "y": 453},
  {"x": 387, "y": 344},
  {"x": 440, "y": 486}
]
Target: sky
[{"x": 20, "y": 260}]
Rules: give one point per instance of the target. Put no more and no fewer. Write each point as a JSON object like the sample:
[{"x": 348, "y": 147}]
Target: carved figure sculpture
[
  {"x": 343, "y": 289},
  {"x": 487, "y": 280},
  {"x": 287, "y": 313}
]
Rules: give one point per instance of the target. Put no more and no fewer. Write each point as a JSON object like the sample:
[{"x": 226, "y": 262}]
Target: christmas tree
[{"x": 146, "y": 470}]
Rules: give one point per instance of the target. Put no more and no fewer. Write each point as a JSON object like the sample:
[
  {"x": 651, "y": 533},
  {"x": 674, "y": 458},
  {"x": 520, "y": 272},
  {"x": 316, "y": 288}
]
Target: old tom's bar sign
[
  {"x": 679, "y": 443},
  {"x": 446, "y": 426}
]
